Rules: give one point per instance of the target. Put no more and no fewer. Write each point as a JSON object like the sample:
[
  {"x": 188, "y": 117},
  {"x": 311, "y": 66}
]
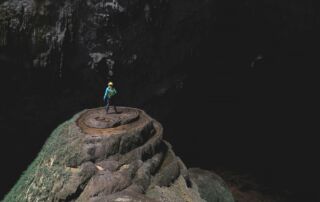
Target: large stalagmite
[{"x": 113, "y": 157}]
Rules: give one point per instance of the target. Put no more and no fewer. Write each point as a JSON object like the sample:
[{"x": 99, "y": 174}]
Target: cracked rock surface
[{"x": 113, "y": 157}]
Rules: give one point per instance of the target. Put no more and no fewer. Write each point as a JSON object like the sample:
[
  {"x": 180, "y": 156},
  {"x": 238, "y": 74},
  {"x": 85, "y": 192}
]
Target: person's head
[{"x": 110, "y": 84}]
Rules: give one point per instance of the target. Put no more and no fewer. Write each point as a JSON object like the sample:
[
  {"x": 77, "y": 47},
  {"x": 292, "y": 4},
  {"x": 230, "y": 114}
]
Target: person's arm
[{"x": 105, "y": 94}]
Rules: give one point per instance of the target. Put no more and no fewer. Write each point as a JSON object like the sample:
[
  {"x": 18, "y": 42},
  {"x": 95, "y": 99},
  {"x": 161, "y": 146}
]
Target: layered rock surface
[{"x": 113, "y": 157}]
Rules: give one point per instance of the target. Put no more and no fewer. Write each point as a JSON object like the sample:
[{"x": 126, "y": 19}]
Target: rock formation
[{"x": 113, "y": 157}]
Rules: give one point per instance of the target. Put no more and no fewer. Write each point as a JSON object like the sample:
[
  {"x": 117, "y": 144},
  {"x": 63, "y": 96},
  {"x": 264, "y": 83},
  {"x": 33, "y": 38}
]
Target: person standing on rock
[{"x": 108, "y": 95}]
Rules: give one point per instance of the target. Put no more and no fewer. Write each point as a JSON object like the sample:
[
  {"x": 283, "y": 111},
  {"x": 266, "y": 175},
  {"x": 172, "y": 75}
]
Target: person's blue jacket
[{"x": 110, "y": 92}]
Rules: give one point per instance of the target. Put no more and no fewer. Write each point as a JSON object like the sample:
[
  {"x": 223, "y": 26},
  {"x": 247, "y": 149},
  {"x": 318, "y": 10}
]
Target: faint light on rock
[
  {"x": 99, "y": 168},
  {"x": 259, "y": 57},
  {"x": 110, "y": 73},
  {"x": 123, "y": 199}
]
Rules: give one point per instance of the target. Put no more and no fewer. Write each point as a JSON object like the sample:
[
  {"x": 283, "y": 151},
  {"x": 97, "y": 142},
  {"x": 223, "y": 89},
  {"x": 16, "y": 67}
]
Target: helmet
[{"x": 110, "y": 84}]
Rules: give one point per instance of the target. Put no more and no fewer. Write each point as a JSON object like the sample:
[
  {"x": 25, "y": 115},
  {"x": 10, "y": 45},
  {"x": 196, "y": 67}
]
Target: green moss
[{"x": 55, "y": 146}]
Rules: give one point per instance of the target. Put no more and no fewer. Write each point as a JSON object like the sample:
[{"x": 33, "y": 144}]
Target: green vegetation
[{"x": 44, "y": 168}]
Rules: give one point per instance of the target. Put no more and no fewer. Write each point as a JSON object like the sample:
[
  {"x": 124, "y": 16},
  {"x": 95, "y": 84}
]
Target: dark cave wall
[
  {"x": 52, "y": 41},
  {"x": 78, "y": 45}
]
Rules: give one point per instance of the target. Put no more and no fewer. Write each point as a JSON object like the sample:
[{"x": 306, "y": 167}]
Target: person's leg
[
  {"x": 111, "y": 102},
  {"x": 107, "y": 101},
  {"x": 115, "y": 108}
]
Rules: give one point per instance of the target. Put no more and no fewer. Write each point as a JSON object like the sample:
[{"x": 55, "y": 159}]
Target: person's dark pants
[{"x": 108, "y": 103}]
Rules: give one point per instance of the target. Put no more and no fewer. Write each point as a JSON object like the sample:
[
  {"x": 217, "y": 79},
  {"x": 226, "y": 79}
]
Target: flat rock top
[{"x": 97, "y": 121}]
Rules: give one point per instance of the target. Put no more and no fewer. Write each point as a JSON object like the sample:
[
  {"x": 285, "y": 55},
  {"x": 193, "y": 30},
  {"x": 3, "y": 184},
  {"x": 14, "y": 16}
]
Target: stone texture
[
  {"x": 211, "y": 187},
  {"x": 87, "y": 160}
]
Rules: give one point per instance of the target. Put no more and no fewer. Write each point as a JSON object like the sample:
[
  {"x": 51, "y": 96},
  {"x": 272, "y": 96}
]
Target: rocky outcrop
[
  {"x": 113, "y": 157},
  {"x": 211, "y": 187}
]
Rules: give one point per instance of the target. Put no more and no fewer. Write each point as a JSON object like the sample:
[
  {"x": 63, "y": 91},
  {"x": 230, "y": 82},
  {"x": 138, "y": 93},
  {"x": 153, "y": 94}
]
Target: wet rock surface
[{"x": 90, "y": 158}]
